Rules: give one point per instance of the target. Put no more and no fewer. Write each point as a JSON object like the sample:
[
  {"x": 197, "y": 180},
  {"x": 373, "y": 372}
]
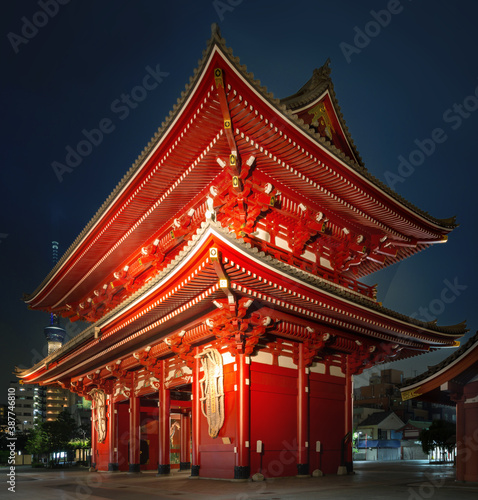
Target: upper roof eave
[{"x": 216, "y": 40}]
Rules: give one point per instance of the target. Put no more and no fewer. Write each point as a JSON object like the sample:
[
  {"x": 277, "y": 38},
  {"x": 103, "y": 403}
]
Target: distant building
[
  {"x": 412, "y": 429},
  {"x": 379, "y": 436},
  {"x": 58, "y": 399},
  {"x": 382, "y": 425},
  {"x": 29, "y": 404},
  {"x": 383, "y": 393},
  {"x": 361, "y": 413},
  {"x": 3, "y": 413},
  {"x": 411, "y": 445}
]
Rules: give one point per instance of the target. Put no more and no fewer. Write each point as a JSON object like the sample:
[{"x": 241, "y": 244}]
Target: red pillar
[
  {"x": 470, "y": 437},
  {"x": 185, "y": 458},
  {"x": 196, "y": 415},
  {"x": 134, "y": 433},
  {"x": 302, "y": 416},
  {"x": 348, "y": 434},
  {"x": 460, "y": 432},
  {"x": 164, "y": 466},
  {"x": 112, "y": 435},
  {"x": 242, "y": 469},
  {"x": 93, "y": 440}
]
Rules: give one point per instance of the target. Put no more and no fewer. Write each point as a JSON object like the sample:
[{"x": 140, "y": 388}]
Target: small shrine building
[{"x": 221, "y": 282}]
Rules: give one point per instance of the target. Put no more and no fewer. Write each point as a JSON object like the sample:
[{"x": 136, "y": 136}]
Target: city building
[
  {"x": 58, "y": 399},
  {"x": 379, "y": 436},
  {"x": 383, "y": 394},
  {"x": 29, "y": 404},
  {"x": 221, "y": 283}
]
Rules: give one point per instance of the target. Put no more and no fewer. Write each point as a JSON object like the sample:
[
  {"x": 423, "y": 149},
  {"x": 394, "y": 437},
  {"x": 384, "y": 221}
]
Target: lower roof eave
[{"x": 301, "y": 280}]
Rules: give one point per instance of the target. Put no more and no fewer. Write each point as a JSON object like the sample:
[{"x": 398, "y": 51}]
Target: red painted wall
[
  {"x": 123, "y": 436},
  {"x": 326, "y": 420},
  {"x": 149, "y": 434},
  {"x": 274, "y": 419}
]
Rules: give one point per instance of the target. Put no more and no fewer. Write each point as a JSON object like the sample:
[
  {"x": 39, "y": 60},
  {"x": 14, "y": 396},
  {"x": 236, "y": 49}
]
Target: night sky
[{"x": 405, "y": 73}]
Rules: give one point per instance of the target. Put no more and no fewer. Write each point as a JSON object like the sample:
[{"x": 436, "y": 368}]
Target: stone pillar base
[
  {"x": 184, "y": 465},
  {"x": 113, "y": 468},
  {"x": 134, "y": 468},
  {"x": 342, "y": 470},
  {"x": 242, "y": 472},
  {"x": 164, "y": 469},
  {"x": 195, "y": 471},
  {"x": 303, "y": 470}
]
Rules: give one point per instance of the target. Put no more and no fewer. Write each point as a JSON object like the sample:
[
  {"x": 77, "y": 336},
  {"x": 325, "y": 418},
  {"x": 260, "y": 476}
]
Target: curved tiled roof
[
  {"x": 317, "y": 85},
  {"x": 432, "y": 370},
  {"x": 312, "y": 90},
  {"x": 342, "y": 292},
  {"x": 319, "y": 82}
]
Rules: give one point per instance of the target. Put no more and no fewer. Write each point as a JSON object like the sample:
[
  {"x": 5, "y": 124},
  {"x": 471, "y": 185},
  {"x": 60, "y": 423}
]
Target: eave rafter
[
  {"x": 306, "y": 300},
  {"x": 311, "y": 175},
  {"x": 250, "y": 274},
  {"x": 243, "y": 330},
  {"x": 252, "y": 122}
]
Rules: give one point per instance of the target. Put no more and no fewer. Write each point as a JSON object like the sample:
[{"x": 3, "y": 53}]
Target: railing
[{"x": 314, "y": 268}]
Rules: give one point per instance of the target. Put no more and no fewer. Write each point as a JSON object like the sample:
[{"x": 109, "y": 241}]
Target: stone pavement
[{"x": 411, "y": 480}]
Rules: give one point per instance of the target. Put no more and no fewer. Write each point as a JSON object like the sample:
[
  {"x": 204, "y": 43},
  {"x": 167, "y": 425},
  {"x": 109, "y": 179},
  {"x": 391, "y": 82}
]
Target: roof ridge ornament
[
  {"x": 216, "y": 31},
  {"x": 324, "y": 71}
]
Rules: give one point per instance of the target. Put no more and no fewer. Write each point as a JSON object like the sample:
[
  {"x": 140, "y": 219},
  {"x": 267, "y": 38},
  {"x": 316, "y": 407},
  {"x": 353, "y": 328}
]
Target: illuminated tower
[{"x": 55, "y": 335}]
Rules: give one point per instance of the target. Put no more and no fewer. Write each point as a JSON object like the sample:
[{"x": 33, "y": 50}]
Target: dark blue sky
[{"x": 416, "y": 72}]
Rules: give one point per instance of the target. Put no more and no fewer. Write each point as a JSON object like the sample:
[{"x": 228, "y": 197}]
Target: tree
[
  {"x": 438, "y": 435},
  {"x": 53, "y": 436},
  {"x": 36, "y": 444}
]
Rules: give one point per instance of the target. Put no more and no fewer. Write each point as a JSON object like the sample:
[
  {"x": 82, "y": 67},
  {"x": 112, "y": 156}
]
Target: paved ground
[{"x": 411, "y": 480}]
